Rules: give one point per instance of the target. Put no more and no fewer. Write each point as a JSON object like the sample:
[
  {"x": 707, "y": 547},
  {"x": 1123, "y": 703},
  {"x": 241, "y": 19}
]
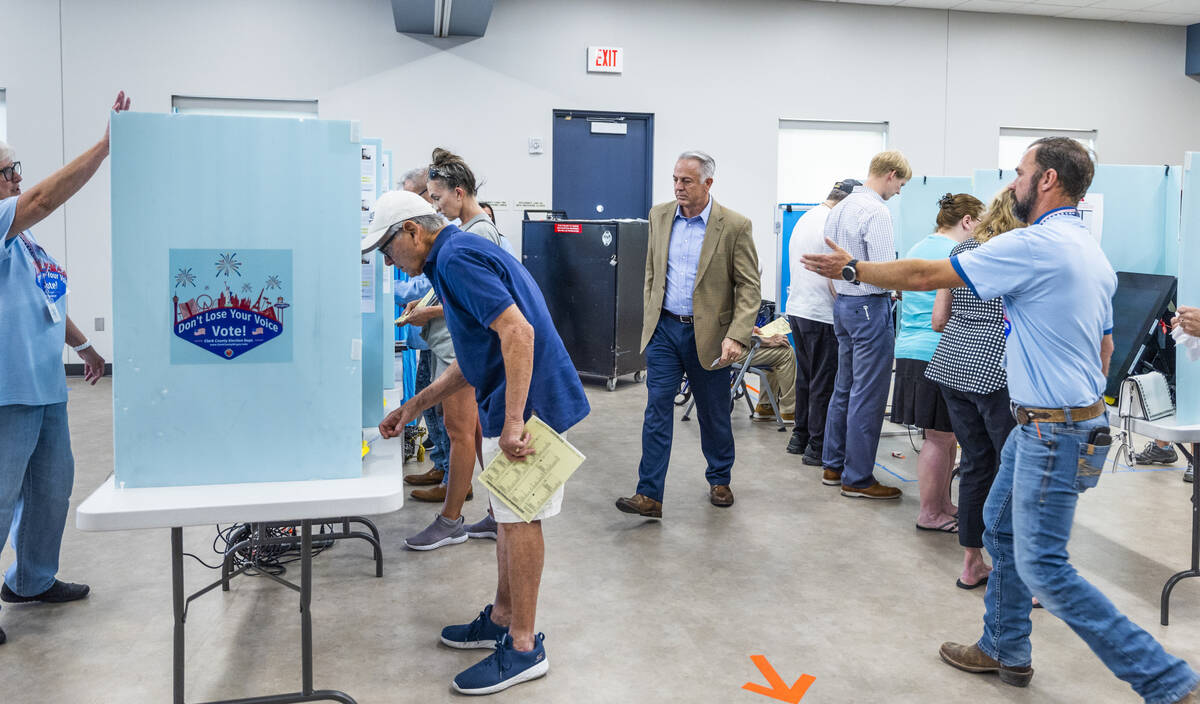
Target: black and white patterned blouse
[{"x": 970, "y": 355}]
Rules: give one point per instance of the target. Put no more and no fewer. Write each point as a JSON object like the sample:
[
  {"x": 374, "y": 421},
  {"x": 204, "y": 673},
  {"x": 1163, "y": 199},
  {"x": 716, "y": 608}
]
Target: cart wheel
[
  {"x": 611, "y": 384},
  {"x": 420, "y": 453},
  {"x": 639, "y": 376}
]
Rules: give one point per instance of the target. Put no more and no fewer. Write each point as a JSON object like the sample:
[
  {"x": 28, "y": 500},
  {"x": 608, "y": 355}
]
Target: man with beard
[{"x": 1057, "y": 287}]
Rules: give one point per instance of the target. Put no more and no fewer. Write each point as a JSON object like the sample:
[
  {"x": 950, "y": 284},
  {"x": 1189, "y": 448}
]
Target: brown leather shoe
[
  {"x": 436, "y": 494},
  {"x": 969, "y": 658},
  {"x": 831, "y": 477},
  {"x": 720, "y": 495},
  {"x": 640, "y": 505},
  {"x": 875, "y": 491},
  {"x": 433, "y": 476}
]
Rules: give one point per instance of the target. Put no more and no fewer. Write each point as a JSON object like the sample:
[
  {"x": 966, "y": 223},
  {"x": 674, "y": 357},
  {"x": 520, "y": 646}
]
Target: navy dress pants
[{"x": 670, "y": 354}]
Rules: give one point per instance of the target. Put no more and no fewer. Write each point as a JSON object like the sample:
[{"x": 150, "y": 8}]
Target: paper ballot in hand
[
  {"x": 425, "y": 301},
  {"x": 778, "y": 326},
  {"x": 526, "y": 486}
]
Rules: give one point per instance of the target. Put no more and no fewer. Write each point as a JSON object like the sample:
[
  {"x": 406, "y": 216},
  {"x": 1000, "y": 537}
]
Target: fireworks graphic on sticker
[
  {"x": 185, "y": 278},
  {"x": 228, "y": 264},
  {"x": 245, "y": 288},
  {"x": 274, "y": 282}
]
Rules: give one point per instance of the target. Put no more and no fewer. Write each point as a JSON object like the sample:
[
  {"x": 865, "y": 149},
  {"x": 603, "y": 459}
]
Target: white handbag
[{"x": 1145, "y": 396}]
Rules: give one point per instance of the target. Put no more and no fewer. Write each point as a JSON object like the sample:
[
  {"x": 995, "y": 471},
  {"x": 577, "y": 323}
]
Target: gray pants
[{"x": 866, "y": 344}]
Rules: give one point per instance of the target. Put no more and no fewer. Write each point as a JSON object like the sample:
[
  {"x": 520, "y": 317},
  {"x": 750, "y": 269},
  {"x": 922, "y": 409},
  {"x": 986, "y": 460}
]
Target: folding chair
[{"x": 738, "y": 386}]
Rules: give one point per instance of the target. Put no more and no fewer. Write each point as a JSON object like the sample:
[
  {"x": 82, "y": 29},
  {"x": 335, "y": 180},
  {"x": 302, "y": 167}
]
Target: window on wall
[
  {"x": 1015, "y": 140},
  {"x": 815, "y": 154},
  {"x": 3, "y": 116},
  {"x": 244, "y": 107}
]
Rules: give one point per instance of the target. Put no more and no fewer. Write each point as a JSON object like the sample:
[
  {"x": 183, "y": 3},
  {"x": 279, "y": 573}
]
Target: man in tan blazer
[{"x": 701, "y": 297}]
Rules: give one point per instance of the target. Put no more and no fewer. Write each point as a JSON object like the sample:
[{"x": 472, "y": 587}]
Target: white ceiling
[{"x": 1176, "y": 12}]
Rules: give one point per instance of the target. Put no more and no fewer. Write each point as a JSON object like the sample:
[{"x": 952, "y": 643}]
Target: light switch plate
[
  {"x": 99, "y": 326},
  {"x": 535, "y": 146}
]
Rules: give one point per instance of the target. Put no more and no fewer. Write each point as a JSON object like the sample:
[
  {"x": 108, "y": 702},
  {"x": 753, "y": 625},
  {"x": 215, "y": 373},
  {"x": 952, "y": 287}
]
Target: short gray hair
[
  {"x": 708, "y": 165},
  {"x": 417, "y": 175},
  {"x": 430, "y": 223},
  {"x": 6, "y": 152}
]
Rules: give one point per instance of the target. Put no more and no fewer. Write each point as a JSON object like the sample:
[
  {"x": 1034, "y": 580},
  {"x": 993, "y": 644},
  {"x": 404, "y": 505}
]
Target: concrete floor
[{"x": 634, "y": 611}]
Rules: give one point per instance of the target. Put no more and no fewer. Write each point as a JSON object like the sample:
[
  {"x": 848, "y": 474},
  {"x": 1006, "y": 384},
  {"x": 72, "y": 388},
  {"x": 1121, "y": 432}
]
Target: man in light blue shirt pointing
[{"x": 1057, "y": 288}]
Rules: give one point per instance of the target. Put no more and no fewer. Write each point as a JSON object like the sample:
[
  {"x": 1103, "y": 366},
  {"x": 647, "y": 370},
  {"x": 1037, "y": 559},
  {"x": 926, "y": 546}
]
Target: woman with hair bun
[{"x": 917, "y": 401}]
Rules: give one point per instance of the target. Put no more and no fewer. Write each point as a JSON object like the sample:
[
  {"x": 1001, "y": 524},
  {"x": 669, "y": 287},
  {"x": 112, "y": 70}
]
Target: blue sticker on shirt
[
  {"x": 228, "y": 303},
  {"x": 50, "y": 277}
]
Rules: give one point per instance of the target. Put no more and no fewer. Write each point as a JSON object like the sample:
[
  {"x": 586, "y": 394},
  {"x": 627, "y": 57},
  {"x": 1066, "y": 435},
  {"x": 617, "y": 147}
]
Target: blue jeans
[
  {"x": 866, "y": 340},
  {"x": 37, "y": 471},
  {"x": 440, "y": 454},
  {"x": 671, "y": 353},
  {"x": 1027, "y": 524}
]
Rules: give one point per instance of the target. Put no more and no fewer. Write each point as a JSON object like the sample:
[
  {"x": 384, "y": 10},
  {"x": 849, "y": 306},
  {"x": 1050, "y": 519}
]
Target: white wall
[{"x": 718, "y": 75}]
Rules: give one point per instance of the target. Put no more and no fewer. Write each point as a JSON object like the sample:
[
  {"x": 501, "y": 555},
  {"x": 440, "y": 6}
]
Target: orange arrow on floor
[{"x": 779, "y": 689}]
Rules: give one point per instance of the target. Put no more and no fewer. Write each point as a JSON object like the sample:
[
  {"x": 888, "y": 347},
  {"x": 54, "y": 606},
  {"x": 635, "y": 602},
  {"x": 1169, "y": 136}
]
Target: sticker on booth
[{"x": 231, "y": 305}]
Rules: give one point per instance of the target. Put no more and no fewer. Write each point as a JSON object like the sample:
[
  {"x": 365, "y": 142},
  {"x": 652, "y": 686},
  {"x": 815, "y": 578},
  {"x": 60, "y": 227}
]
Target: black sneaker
[
  {"x": 1189, "y": 476},
  {"x": 1153, "y": 454},
  {"x": 811, "y": 457},
  {"x": 2, "y": 636},
  {"x": 795, "y": 445},
  {"x": 58, "y": 593}
]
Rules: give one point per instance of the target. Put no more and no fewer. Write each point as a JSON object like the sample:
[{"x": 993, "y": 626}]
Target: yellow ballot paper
[
  {"x": 525, "y": 487},
  {"x": 403, "y": 319},
  {"x": 778, "y": 326}
]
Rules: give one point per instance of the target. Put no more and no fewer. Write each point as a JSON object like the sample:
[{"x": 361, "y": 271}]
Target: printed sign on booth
[{"x": 231, "y": 302}]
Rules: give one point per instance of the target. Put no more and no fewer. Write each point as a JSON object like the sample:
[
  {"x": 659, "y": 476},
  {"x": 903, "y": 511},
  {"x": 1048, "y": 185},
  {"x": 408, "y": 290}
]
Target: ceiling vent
[{"x": 442, "y": 18}]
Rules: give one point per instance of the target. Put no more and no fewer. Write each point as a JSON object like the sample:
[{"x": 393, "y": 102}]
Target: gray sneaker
[
  {"x": 485, "y": 528},
  {"x": 1189, "y": 476},
  {"x": 1153, "y": 454},
  {"x": 441, "y": 532}
]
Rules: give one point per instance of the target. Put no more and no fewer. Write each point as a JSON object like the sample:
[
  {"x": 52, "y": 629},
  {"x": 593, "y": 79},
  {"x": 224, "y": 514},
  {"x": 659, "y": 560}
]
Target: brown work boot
[
  {"x": 436, "y": 494},
  {"x": 433, "y": 476},
  {"x": 875, "y": 491},
  {"x": 720, "y": 495},
  {"x": 640, "y": 505},
  {"x": 969, "y": 658},
  {"x": 831, "y": 477}
]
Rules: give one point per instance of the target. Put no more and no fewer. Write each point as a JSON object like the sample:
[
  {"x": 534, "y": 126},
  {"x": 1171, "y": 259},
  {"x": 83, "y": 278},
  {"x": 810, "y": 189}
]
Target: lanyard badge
[{"x": 49, "y": 276}]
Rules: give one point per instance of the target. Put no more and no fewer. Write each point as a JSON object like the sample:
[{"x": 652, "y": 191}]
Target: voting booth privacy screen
[{"x": 235, "y": 300}]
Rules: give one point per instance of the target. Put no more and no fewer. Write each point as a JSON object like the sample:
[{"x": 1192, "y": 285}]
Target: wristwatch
[{"x": 850, "y": 272}]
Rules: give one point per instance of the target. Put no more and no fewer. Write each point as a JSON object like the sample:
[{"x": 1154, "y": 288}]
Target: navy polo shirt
[{"x": 477, "y": 281}]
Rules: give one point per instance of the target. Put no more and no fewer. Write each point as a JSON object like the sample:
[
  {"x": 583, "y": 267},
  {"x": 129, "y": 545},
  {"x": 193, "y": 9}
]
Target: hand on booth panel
[
  {"x": 1188, "y": 318},
  {"x": 121, "y": 104}
]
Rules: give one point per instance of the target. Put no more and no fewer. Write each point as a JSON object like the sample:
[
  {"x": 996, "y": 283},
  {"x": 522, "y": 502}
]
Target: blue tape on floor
[{"x": 903, "y": 479}]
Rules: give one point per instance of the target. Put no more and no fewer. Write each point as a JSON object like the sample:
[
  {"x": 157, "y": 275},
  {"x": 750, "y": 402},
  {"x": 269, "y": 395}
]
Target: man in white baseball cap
[{"x": 393, "y": 208}]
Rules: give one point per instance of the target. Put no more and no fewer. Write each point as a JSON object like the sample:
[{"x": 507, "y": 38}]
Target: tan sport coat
[{"x": 727, "y": 294}]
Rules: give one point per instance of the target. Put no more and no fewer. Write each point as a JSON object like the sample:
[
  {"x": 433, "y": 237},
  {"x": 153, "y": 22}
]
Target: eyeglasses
[
  {"x": 390, "y": 235},
  {"x": 8, "y": 171}
]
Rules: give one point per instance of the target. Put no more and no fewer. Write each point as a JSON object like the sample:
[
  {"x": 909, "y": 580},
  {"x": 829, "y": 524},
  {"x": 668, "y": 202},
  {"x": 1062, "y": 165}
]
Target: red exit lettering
[{"x": 606, "y": 57}]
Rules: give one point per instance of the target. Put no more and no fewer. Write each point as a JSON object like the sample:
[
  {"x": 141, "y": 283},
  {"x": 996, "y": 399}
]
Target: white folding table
[
  {"x": 1168, "y": 430},
  {"x": 379, "y": 490}
]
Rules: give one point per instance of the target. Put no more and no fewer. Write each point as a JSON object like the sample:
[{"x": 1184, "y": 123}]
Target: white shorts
[{"x": 500, "y": 510}]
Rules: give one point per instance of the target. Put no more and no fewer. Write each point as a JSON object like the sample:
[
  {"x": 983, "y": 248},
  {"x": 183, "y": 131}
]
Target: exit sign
[{"x": 605, "y": 59}]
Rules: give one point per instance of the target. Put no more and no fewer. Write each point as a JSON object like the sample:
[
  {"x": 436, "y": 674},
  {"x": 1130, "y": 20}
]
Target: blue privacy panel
[
  {"x": 1187, "y": 373},
  {"x": 372, "y": 351},
  {"x": 915, "y": 210},
  {"x": 202, "y": 207},
  {"x": 788, "y": 214},
  {"x": 1137, "y": 227}
]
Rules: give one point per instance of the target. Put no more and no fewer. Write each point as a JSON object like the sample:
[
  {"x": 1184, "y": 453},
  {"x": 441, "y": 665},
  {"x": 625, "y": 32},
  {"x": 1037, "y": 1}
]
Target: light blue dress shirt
[
  {"x": 683, "y": 259},
  {"x": 1057, "y": 287}
]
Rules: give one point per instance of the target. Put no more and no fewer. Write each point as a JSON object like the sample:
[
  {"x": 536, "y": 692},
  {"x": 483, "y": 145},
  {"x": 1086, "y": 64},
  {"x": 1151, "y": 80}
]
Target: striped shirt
[{"x": 861, "y": 225}]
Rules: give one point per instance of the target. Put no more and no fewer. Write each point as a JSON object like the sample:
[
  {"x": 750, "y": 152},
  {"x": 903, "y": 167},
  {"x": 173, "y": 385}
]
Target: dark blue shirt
[{"x": 477, "y": 281}]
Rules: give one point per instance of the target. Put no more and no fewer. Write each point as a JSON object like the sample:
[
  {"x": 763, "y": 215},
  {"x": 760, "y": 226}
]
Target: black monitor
[{"x": 1140, "y": 302}]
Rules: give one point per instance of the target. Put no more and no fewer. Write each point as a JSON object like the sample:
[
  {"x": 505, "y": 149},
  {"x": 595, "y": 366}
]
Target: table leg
[
  {"x": 177, "y": 599},
  {"x": 305, "y": 603},
  {"x": 1195, "y": 569}
]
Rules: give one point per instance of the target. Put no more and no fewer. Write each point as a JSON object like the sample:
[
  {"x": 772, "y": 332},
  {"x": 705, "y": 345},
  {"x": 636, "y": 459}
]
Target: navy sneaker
[
  {"x": 504, "y": 668},
  {"x": 480, "y": 633},
  {"x": 58, "y": 593}
]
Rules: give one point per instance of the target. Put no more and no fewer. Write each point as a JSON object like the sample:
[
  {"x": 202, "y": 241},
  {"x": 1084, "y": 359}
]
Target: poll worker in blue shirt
[
  {"x": 37, "y": 469},
  {"x": 508, "y": 350},
  {"x": 1057, "y": 288}
]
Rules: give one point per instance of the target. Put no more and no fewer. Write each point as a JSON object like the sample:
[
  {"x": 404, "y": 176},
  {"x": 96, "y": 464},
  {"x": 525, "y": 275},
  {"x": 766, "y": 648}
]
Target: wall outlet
[{"x": 535, "y": 146}]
